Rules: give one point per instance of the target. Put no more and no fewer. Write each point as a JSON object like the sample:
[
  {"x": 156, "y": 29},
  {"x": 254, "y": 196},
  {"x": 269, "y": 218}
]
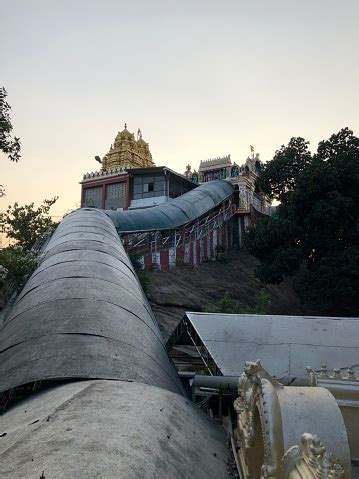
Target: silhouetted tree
[
  {"x": 315, "y": 233},
  {"x": 25, "y": 224},
  {"x": 8, "y": 144},
  {"x": 279, "y": 175}
]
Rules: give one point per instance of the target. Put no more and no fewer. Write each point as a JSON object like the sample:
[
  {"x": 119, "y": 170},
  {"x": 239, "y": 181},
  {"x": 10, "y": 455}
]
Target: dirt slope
[{"x": 193, "y": 289}]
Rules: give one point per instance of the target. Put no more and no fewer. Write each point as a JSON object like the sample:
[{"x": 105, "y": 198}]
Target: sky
[{"x": 200, "y": 78}]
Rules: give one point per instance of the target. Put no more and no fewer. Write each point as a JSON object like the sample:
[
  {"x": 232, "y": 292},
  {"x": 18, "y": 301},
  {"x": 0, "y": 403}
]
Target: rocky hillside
[{"x": 194, "y": 289}]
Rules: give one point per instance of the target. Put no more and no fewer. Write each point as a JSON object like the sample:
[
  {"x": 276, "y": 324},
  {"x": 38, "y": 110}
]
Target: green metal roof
[{"x": 174, "y": 213}]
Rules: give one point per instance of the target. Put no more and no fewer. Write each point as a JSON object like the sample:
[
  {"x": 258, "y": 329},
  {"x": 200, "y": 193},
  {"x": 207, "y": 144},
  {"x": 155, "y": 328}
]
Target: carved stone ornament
[
  {"x": 273, "y": 419},
  {"x": 242, "y": 199},
  {"x": 255, "y": 410},
  {"x": 344, "y": 385},
  {"x": 310, "y": 460}
]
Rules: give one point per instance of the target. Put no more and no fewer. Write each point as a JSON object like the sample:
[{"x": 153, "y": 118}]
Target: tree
[
  {"x": 8, "y": 144},
  {"x": 16, "y": 265},
  {"x": 25, "y": 224},
  {"x": 279, "y": 175},
  {"x": 315, "y": 234}
]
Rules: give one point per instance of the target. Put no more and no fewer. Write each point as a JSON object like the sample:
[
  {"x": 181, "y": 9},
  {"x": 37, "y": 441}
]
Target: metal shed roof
[
  {"x": 174, "y": 213},
  {"x": 284, "y": 344},
  {"x": 83, "y": 314}
]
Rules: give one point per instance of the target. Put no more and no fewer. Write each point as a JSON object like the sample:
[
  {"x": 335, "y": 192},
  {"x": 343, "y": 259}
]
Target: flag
[{"x": 252, "y": 148}]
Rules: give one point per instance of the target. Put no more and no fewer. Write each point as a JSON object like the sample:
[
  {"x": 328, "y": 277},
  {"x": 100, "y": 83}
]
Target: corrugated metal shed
[
  {"x": 284, "y": 344},
  {"x": 83, "y": 314},
  {"x": 175, "y": 213}
]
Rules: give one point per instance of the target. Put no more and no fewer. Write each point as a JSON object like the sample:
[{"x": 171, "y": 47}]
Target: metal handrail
[{"x": 200, "y": 229}]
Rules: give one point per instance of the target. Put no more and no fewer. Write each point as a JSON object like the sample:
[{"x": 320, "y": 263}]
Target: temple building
[
  {"x": 242, "y": 177},
  {"x": 127, "y": 152},
  {"x": 215, "y": 169},
  {"x": 251, "y": 204},
  {"x": 129, "y": 178}
]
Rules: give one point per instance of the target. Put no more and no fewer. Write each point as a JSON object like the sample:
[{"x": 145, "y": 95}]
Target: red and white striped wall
[{"x": 208, "y": 247}]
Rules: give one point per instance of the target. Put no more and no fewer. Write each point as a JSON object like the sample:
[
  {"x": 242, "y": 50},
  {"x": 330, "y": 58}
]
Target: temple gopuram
[
  {"x": 250, "y": 203},
  {"x": 129, "y": 178},
  {"x": 127, "y": 152}
]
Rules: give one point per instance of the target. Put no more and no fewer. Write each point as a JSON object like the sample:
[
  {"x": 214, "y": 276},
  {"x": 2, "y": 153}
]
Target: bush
[
  {"x": 135, "y": 260},
  {"x": 227, "y": 306},
  {"x": 144, "y": 279},
  {"x": 142, "y": 274},
  {"x": 224, "y": 305},
  {"x": 16, "y": 264}
]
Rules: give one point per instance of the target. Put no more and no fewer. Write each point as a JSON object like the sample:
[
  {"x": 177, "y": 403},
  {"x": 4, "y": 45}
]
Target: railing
[
  {"x": 41, "y": 242},
  {"x": 156, "y": 241}
]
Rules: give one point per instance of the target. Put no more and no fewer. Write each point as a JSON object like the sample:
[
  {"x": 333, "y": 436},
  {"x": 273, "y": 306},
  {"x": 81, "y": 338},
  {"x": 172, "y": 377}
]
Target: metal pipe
[{"x": 221, "y": 383}]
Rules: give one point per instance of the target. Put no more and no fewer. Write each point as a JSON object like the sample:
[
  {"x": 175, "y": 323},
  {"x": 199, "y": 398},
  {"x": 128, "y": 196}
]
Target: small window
[{"x": 147, "y": 187}]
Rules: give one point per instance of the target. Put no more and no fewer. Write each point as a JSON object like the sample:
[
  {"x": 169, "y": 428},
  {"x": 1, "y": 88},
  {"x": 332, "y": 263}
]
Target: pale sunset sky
[{"x": 201, "y": 78}]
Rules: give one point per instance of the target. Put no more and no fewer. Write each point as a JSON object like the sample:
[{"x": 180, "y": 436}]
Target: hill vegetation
[
  {"x": 314, "y": 236},
  {"x": 228, "y": 286}
]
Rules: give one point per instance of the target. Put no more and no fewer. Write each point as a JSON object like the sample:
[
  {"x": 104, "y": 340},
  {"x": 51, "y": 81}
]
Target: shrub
[
  {"x": 144, "y": 279},
  {"x": 16, "y": 264},
  {"x": 227, "y": 306}
]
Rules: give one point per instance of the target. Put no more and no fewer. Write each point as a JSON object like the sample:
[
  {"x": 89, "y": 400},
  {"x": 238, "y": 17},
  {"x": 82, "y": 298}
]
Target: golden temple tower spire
[{"x": 127, "y": 152}]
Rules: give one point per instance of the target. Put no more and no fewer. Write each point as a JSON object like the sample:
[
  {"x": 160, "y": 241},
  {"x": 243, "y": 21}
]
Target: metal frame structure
[
  {"x": 188, "y": 335},
  {"x": 155, "y": 241}
]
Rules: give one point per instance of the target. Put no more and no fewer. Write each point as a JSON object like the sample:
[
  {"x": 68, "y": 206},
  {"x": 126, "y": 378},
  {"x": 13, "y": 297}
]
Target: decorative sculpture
[
  {"x": 188, "y": 171},
  {"x": 234, "y": 171},
  {"x": 310, "y": 460},
  {"x": 344, "y": 386},
  {"x": 271, "y": 422},
  {"x": 194, "y": 177},
  {"x": 243, "y": 204}
]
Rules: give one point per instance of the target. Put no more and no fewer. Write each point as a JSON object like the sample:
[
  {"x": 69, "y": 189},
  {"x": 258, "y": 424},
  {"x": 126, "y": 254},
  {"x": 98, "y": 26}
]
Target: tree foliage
[
  {"x": 16, "y": 265},
  {"x": 226, "y": 305},
  {"x": 26, "y": 224},
  {"x": 8, "y": 144},
  {"x": 315, "y": 234},
  {"x": 142, "y": 274},
  {"x": 279, "y": 175}
]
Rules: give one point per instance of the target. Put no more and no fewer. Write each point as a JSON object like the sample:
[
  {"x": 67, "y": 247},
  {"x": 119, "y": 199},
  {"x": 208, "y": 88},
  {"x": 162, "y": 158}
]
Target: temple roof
[
  {"x": 128, "y": 152},
  {"x": 124, "y": 134}
]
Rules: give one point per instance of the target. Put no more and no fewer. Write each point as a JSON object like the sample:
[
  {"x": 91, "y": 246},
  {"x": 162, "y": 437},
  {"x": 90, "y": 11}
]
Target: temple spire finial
[{"x": 126, "y": 152}]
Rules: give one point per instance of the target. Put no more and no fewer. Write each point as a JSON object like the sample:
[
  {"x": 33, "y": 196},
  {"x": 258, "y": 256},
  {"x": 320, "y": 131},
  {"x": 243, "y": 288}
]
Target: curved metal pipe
[{"x": 83, "y": 314}]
